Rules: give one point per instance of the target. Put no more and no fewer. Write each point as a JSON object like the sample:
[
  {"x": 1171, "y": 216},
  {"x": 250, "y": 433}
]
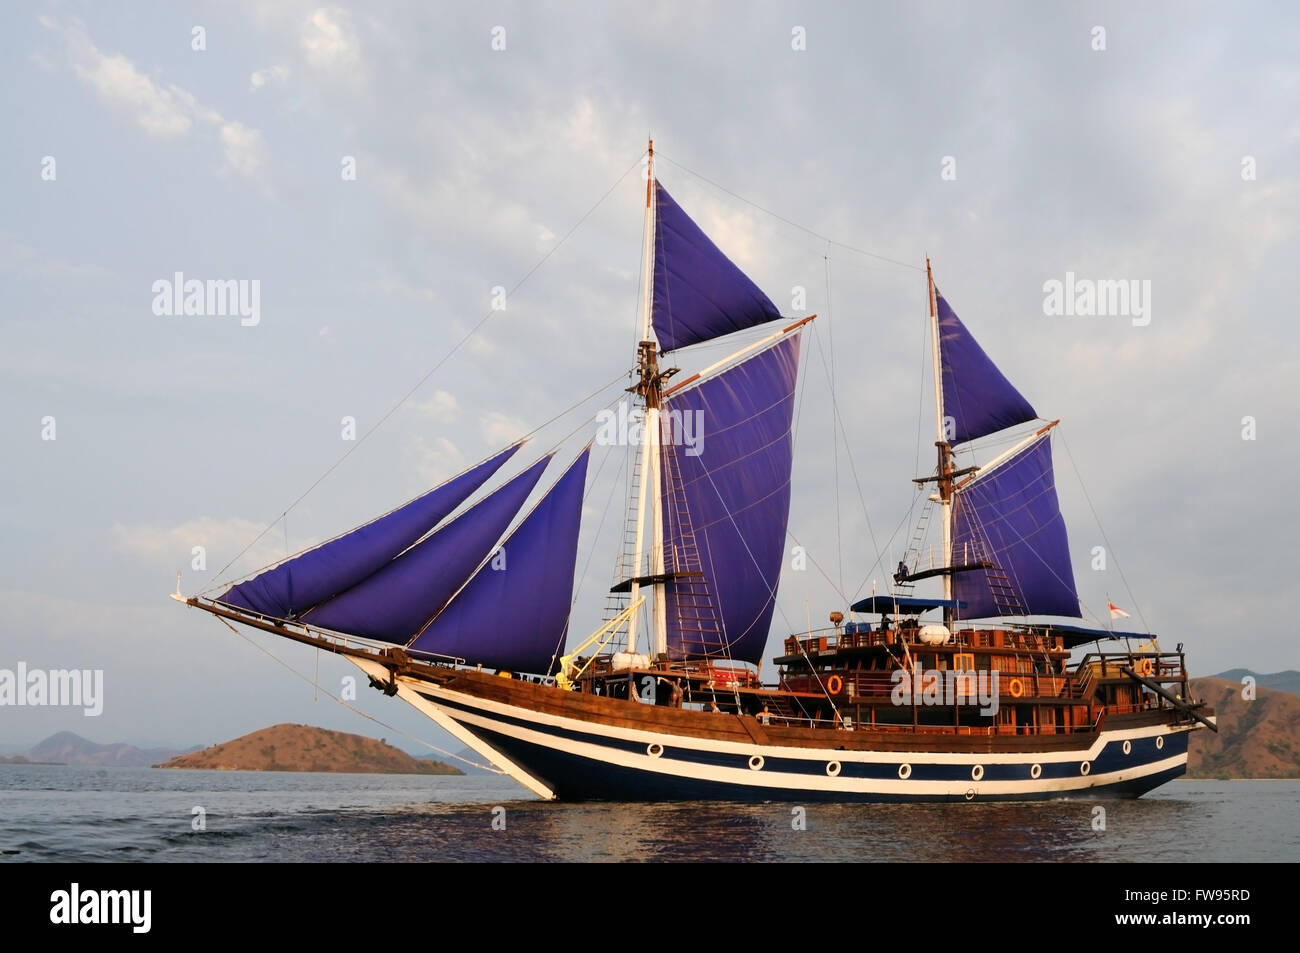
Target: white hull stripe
[{"x": 859, "y": 772}]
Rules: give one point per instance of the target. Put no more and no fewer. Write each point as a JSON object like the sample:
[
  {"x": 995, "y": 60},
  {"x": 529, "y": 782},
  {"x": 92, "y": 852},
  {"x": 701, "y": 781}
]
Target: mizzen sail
[
  {"x": 977, "y": 397},
  {"x": 1010, "y": 516}
]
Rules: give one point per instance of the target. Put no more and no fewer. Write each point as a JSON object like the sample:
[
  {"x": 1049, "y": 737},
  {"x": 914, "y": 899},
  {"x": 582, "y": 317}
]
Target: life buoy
[
  {"x": 1145, "y": 667},
  {"x": 834, "y": 685},
  {"x": 1017, "y": 689}
]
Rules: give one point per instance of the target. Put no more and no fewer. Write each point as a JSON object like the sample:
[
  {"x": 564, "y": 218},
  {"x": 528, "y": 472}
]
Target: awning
[{"x": 903, "y": 605}]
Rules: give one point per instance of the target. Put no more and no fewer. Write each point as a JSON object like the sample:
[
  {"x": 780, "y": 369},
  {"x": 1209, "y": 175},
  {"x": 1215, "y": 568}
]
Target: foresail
[
  {"x": 290, "y": 588},
  {"x": 699, "y": 293},
  {"x": 1010, "y": 516},
  {"x": 514, "y": 613},
  {"x": 394, "y": 604},
  {"x": 728, "y": 456},
  {"x": 977, "y": 397}
]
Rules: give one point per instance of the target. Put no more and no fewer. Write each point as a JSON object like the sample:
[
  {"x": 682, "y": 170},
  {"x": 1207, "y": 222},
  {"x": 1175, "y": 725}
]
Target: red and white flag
[{"x": 1116, "y": 612}]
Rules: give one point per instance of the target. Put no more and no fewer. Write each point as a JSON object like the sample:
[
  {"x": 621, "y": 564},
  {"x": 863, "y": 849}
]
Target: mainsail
[
  {"x": 726, "y": 503},
  {"x": 294, "y": 586},
  {"x": 1010, "y": 516},
  {"x": 514, "y": 612},
  {"x": 977, "y": 397},
  {"x": 699, "y": 294},
  {"x": 394, "y": 604}
]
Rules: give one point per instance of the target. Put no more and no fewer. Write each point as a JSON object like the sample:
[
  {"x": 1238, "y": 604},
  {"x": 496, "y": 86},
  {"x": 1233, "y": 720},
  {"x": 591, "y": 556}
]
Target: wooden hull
[{"x": 573, "y": 746}]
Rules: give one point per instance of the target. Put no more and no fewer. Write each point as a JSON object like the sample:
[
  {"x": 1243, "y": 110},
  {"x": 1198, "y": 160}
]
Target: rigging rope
[
  {"x": 442, "y": 751},
  {"x": 792, "y": 224},
  {"x": 443, "y": 360}
]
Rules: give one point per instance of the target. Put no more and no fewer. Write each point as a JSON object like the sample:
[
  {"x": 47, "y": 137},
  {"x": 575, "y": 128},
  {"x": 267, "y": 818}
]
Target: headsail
[
  {"x": 290, "y": 588},
  {"x": 1010, "y": 516},
  {"x": 727, "y": 506},
  {"x": 394, "y": 604},
  {"x": 976, "y": 395},
  {"x": 699, "y": 294},
  {"x": 514, "y": 612}
]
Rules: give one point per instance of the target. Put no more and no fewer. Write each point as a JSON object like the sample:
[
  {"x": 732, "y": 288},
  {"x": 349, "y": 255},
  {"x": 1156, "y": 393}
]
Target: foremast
[{"x": 649, "y": 387}]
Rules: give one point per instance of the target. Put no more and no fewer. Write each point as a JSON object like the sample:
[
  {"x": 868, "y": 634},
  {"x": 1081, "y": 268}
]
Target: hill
[
  {"x": 68, "y": 748},
  {"x": 1288, "y": 681},
  {"x": 304, "y": 748},
  {"x": 1256, "y": 739}
]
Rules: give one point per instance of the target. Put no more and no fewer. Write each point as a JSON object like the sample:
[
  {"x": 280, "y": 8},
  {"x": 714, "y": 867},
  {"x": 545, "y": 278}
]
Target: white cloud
[
  {"x": 328, "y": 41},
  {"x": 500, "y": 429},
  {"x": 437, "y": 460},
  {"x": 278, "y": 74},
  {"x": 244, "y": 151},
  {"x": 163, "y": 111},
  {"x": 221, "y": 538},
  {"x": 441, "y": 407}
]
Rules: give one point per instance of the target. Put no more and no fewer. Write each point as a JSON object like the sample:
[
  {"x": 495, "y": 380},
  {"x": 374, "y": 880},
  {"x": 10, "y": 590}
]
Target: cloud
[
  {"x": 220, "y": 538},
  {"x": 162, "y": 111},
  {"x": 278, "y": 74},
  {"x": 441, "y": 407},
  {"x": 500, "y": 429},
  {"x": 328, "y": 41},
  {"x": 436, "y": 460},
  {"x": 244, "y": 152}
]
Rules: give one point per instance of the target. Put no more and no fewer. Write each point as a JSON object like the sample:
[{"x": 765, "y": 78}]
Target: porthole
[
  {"x": 1085, "y": 767},
  {"x": 654, "y": 750},
  {"x": 832, "y": 768},
  {"x": 904, "y": 771},
  {"x": 1160, "y": 742},
  {"x": 970, "y": 794},
  {"x": 1128, "y": 747},
  {"x": 1036, "y": 771},
  {"x": 977, "y": 772},
  {"x": 756, "y": 763}
]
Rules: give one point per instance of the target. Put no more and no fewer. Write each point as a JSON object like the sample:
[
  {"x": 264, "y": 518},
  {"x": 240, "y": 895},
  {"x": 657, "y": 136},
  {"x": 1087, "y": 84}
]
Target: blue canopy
[
  {"x": 1079, "y": 634},
  {"x": 903, "y": 605}
]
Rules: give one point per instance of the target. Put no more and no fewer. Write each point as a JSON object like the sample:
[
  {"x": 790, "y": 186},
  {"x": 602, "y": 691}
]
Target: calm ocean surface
[{"x": 56, "y": 813}]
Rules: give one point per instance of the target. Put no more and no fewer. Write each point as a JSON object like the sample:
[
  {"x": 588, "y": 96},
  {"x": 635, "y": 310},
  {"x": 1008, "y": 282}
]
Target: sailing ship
[{"x": 462, "y": 608}]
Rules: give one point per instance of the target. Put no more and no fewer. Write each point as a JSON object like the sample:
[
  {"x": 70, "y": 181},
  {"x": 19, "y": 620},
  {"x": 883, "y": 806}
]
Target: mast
[
  {"x": 649, "y": 387},
  {"x": 945, "y": 475}
]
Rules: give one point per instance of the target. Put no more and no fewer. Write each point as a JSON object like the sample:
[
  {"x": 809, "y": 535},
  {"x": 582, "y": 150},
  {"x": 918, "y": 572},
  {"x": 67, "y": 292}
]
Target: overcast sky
[{"x": 1012, "y": 143}]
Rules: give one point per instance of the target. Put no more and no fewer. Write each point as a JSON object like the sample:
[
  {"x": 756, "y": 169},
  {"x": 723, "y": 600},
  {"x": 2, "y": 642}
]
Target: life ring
[
  {"x": 1017, "y": 689},
  {"x": 1145, "y": 667},
  {"x": 834, "y": 685}
]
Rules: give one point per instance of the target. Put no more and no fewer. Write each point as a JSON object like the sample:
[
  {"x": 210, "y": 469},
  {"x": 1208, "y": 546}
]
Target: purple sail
[
  {"x": 514, "y": 613},
  {"x": 291, "y": 588},
  {"x": 976, "y": 395},
  {"x": 736, "y": 496},
  {"x": 699, "y": 293},
  {"x": 394, "y": 604},
  {"x": 1012, "y": 518}
]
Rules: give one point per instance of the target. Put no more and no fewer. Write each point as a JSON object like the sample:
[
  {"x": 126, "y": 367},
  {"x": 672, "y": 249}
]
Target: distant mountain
[
  {"x": 1256, "y": 739},
  {"x": 68, "y": 748},
  {"x": 304, "y": 748},
  {"x": 1288, "y": 681}
]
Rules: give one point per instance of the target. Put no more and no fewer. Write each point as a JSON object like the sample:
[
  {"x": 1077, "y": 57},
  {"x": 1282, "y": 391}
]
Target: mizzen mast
[{"x": 944, "y": 472}]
